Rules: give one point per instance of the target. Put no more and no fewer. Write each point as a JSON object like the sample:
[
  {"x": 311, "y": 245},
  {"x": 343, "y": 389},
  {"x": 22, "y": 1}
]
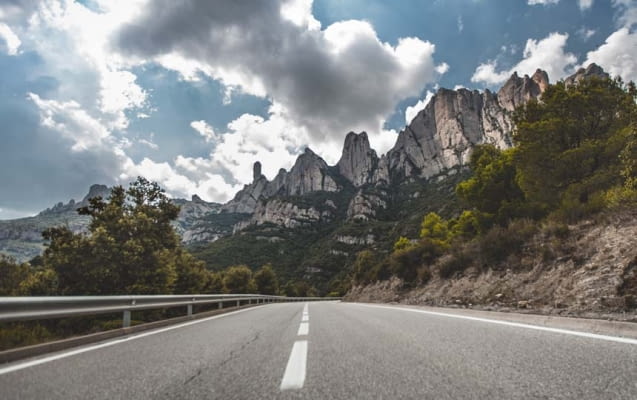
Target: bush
[
  {"x": 455, "y": 262},
  {"x": 405, "y": 263},
  {"x": 238, "y": 279},
  {"x": 499, "y": 243}
]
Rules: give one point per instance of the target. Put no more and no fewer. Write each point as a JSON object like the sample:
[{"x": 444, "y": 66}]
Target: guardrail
[{"x": 35, "y": 308}]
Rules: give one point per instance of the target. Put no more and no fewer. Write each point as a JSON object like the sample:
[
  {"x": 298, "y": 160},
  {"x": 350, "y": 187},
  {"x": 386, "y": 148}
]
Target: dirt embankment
[{"x": 591, "y": 272}]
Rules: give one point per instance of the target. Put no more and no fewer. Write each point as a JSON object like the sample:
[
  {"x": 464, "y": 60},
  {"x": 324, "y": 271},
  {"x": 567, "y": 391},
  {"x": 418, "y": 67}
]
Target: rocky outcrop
[
  {"x": 593, "y": 70},
  {"x": 246, "y": 200},
  {"x": 287, "y": 214},
  {"x": 518, "y": 91},
  {"x": 358, "y": 161},
  {"x": 364, "y": 206},
  {"x": 356, "y": 240},
  {"x": 442, "y": 135},
  {"x": 190, "y": 222},
  {"x": 309, "y": 174}
]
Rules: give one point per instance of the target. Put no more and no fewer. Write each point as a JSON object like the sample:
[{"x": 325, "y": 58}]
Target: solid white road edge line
[
  {"x": 294, "y": 376},
  {"x": 304, "y": 329},
  {"x": 39, "y": 361},
  {"x": 507, "y": 323}
]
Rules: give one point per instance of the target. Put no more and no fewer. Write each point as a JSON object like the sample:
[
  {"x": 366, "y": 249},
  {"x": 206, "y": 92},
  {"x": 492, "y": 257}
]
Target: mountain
[
  {"x": 310, "y": 221},
  {"x": 22, "y": 238}
]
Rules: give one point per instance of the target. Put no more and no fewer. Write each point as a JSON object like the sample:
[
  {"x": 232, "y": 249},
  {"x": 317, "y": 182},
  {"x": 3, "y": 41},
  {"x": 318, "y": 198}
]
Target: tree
[
  {"x": 434, "y": 227},
  {"x": 238, "y": 279},
  {"x": 12, "y": 274},
  {"x": 131, "y": 247},
  {"x": 266, "y": 280},
  {"x": 363, "y": 265},
  {"x": 492, "y": 191},
  {"x": 569, "y": 144},
  {"x": 402, "y": 243}
]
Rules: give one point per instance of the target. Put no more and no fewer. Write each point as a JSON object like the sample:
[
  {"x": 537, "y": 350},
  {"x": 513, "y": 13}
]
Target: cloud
[
  {"x": 72, "y": 121},
  {"x": 627, "y": 10},
  {"x": 616, "y": 54},
  {"x": 543, "y": 2},
  {"x": 321, "y": 82},
  {"x": 584, "y": 4},
  {"x": 412, "y": 111},
  {"x": 73, "y": 42},
  {"x": 548, "y": 54},
  {"x": 204, "y": 130},
  {"x": 329, "y": 81},
  {"x": 586, "y": 33},
  {"x": 12, "y": 41}
]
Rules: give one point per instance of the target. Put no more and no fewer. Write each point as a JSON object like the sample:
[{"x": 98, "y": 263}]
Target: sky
[{"x": 191, "y": 93}]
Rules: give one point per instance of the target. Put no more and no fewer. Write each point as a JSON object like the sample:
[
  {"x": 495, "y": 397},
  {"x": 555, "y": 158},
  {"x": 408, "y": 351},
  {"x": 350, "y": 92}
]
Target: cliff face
[
  {"x": 442, "y": 135},
  {"x": 358, "y": 161}
]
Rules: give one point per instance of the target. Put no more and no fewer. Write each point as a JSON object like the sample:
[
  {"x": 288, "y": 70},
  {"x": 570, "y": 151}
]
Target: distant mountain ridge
[{"x": 362, "y": 186}]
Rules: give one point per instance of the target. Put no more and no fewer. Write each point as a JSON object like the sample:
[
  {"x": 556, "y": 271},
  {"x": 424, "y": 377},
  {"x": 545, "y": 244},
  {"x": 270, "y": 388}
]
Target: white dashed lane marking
[{"x": 294, "y": 375}]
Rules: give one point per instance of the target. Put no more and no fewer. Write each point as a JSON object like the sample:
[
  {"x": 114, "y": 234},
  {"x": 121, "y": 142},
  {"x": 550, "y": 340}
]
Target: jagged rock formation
[
  {"x": 442, "y": 135},
  {"x": 364, "y": 206},
  {"x": 188, "y": 224},
  {"x": 94, "y": 191},
  {"x": 358, "y": 161},
  {"x": 517, "y": 91},
  {"x": 593, "y": 70},
  {"x": 309, "y": 174},
  {"x": 286, "y": 214}
]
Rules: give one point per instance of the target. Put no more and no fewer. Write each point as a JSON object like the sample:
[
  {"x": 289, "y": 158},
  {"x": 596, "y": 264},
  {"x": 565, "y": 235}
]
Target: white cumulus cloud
[
  {"x": 542, "y": 2},
  {"x": 616, "y": 54},
  {"x": 12, "y": 41},
  {"x": 548, "y": 54}
]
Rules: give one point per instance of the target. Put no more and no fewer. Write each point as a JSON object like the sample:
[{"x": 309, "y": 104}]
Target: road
[{"x": 334, "y": 351}]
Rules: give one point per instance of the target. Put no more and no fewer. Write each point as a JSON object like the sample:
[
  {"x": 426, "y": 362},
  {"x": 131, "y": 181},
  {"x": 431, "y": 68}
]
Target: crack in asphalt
[{"x": 233, "y": 354}]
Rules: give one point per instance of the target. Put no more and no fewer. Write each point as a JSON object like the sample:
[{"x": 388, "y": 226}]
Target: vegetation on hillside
[{"x": 575, "y": 156}]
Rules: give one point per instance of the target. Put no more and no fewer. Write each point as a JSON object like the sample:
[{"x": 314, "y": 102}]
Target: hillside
[{"x": 588, "y": 269}]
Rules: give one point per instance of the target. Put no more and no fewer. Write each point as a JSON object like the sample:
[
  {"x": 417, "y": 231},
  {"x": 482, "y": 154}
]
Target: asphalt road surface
[{"x": 335, "y": 351}]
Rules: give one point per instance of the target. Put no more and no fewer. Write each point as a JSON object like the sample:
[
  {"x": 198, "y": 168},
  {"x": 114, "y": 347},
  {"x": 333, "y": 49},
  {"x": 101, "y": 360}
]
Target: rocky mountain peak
[
  {"x": 593, "y": 70},
  {"x": 97, "y": 190},
  {"x": 541, "y": 78},
  {"x": 256, "y": 171},
  {"x": 358, "y": 160},
  {"x": 519, "y": 90},
  {"x": 309, "y": 174}
]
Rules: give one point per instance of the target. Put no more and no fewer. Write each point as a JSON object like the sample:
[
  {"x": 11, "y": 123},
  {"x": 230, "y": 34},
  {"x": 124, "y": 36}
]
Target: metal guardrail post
[
  {"x": 126, "y": 319},
  {"x": 238, "y": 303},
  {"x": 189, "y": 310},
  {"x": 220, "y": 305}
]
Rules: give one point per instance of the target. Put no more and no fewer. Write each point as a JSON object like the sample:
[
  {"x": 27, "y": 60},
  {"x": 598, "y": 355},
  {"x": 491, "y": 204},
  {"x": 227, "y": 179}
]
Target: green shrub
[{"x": 499, "y": 243}]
